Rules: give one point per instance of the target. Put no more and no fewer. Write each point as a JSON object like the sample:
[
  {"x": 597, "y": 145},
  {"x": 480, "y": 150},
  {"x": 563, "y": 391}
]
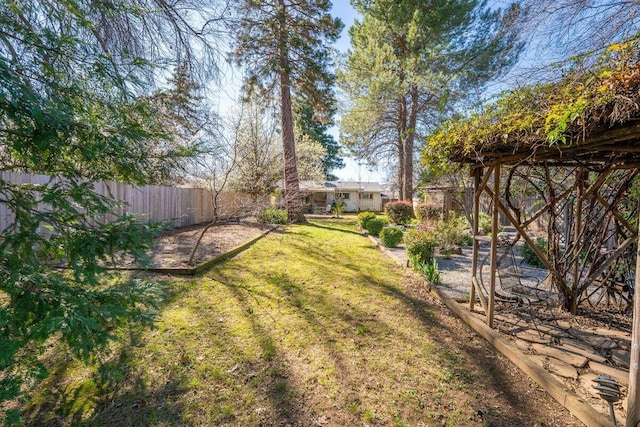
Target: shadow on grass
[
  {"x": 326, "y": 227},
  {"x": 345, "y": 331},
  {"x": 449, "y": 357}
]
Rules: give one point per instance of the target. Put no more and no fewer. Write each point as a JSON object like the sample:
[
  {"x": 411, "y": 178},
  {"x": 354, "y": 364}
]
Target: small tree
[
  {"x": 337, "y": 207},
  {"x": 283, "y": 44}
]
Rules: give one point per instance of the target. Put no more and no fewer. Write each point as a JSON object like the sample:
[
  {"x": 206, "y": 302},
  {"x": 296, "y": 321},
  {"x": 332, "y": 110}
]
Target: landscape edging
[
  {"x": 581, "y": 410},
  {"x": 203, "y": 266}
]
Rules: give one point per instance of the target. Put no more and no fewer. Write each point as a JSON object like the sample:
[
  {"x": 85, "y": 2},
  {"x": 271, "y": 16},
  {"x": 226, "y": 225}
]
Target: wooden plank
[
  {"x": 475, "y": 285},
  {"x": 525, "y": 236},
  {"x": 633, "y": 395},
  {"x": 494, "y": 244},
  {"x": 615, "y": 213},
  {"x": 578, "y": 227},
  {"x": 545, "y": 208},
  {"x": 566, "y": 397},
  {"x": 477, "y": 175},
  {"x": 181, "y": 206}
]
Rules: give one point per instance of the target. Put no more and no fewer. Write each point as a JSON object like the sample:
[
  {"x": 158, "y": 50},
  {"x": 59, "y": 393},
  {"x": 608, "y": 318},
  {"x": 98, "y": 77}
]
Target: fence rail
[{"x": 179, "y": 206}]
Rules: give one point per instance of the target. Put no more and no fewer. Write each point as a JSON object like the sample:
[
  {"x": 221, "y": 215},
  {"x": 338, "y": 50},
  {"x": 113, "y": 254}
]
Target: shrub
[
  {"x": 399, "y": 212},
  {"x": 420, "y": 246},
  {"x": 274, "y": 216},
  {"x": 530, "y": 256},
  {"x": 428, "y": 211},
  {"x": 337, "y": 207},
  {"x": 430, "y": 272},
  {"x": 453, "y": 231},
  {"x": 374, "y": 226},
  {"x": 391, "y": 236},
  {"x": 364, "y": 217},
  {"x": 484, "y": 222}
]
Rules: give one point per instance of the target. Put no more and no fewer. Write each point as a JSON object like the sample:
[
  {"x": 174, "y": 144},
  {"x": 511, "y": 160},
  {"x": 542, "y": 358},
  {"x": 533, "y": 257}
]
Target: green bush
[
  {"x": 484, "y": 223},
  {"x": 420, "y": 246},
  {"x": 391, "y": 236},
  {"x": 453, "y": 231},
  {"x": 337, "y": 207},
  {"x": 430, "y": 272},
  {"x": 374, "y": 226},
  {"x": 428, "y": 211},
  {"x": 530, "y": 256},
  {"x": 364, "y": 217},
  {"x": 274, "y": 216},
  {"x": 399, "y": 212}
]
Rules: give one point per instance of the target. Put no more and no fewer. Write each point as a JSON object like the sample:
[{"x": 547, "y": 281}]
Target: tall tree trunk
[
  {"x": 408, "y": 141},
  {"x": 291, "y": 183},
  {"x": 402, "y": 124}
]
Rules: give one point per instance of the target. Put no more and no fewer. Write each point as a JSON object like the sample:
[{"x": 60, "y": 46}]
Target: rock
[
  {"x": 622, "y": 376},
  {"x": 621, "y": 358},
  {"x": 579, "y": 347},
  {"x": 553, "y": 331},
  {"x": 450, "y": 250},
  {"x": 555, "y": 366},
  {"x": 560, "y": 353},
  {"x": 524, "y": 346},
  {"x": 532, "y": 337},
  {"x": 595, "y": 340}
]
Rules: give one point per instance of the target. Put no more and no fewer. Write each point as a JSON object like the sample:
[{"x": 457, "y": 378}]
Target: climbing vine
[{"x": 591, "y": 95}]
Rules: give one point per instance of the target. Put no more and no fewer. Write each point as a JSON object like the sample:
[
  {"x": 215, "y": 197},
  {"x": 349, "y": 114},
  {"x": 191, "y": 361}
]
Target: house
[{"x": 357, "y": 196}]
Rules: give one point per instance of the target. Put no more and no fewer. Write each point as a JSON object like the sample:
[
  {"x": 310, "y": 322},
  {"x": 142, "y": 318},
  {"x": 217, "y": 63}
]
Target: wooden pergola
[{"x": 585, "y": 187}]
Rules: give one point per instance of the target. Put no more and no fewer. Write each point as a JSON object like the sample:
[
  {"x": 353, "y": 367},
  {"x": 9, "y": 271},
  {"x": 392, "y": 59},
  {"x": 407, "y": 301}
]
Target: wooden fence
[{"x": 180, "y": 206}]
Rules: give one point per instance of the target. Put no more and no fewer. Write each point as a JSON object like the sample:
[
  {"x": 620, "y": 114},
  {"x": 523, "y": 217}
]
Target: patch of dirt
[
  {"x": 510, "y": 398},
  {"x": 173, "y": 248}
]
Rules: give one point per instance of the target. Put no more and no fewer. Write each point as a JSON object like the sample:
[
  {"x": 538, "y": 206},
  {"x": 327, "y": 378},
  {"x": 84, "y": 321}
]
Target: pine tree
[
  {"x": 412, "y": 60},
  {"x": 316, "y": 128},
  {"x": 283, "y": 45},
  {"x": 72, "y": 107}
]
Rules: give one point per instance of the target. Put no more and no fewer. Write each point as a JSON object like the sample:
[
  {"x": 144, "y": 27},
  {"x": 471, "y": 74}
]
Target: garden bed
[{"x": 172, "y": 249}]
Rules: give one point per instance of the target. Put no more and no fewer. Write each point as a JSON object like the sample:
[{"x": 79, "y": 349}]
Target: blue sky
[{"x": 352, "y": 170}]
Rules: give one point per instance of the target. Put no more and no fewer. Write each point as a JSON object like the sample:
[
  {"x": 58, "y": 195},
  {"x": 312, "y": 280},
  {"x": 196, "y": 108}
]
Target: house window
[
  {"x": 343, "y": 196},
  {"x": 366, "y": 196}
]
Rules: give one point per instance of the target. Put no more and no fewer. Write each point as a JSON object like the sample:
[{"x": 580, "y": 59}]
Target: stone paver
[
  {"x": 620, "y": 375},
  {"x": 572, "y": 359},
  {"x": 555, "y": 366},
  {"x": 595, "y": 340},
  {"x": 578, "y": 347}
]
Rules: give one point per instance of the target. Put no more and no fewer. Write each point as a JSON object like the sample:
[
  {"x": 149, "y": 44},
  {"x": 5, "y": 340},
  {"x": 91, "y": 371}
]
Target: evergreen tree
[
  {"x": 283, "y": 45},
  {"x": 409, "y": 62},
  {"x": 316, "y": 128},
  {"x": 72, "y": 76}
]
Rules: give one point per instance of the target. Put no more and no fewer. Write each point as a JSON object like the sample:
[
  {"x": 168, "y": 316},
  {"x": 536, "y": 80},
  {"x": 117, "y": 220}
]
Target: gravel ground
[{"x": 455, "y": 270}]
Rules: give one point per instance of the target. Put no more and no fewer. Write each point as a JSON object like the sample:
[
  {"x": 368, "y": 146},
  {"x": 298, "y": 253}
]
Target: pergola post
[
  {"x": 633, "y": 403},
  {"x": 494, "y": 243},
  {"x": 477, "y": 172},
  {"x": 577, "y": 232}
]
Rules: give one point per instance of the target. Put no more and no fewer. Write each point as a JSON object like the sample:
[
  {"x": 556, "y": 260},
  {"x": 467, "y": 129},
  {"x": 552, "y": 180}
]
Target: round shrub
[
  {"x": 428, "y": 211},
  {"x": 453, "y": 231},
  {"x": 420, "y": 246},
  {"x": 374, "y": 226},
  {"x": 391, "y": 236},
  {"x": 273, "y": 216},
  {"x": 399, "y": 212},
  {"x": 364, "y": 217}
]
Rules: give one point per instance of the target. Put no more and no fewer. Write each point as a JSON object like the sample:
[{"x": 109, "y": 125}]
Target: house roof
[{"x": 341, "y": 186}]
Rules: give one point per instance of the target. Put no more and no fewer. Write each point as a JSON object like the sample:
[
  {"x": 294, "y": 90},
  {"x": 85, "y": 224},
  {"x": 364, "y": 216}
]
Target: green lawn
[{"x": 312, "y": 325}]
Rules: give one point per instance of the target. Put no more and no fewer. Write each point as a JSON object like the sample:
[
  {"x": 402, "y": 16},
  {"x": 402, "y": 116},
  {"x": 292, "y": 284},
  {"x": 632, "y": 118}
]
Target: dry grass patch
[{"x": 310, "y": 326}]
